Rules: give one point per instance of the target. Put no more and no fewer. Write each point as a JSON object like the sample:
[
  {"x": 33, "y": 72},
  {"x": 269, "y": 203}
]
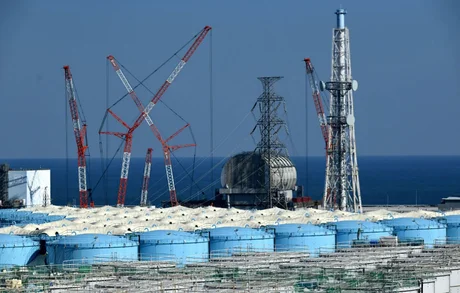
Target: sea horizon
[{"x": 395, "y": 180}]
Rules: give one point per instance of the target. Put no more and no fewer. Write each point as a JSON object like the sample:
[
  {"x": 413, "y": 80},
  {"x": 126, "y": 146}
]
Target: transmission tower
[
  {"x": 342, "y": 189},
  {"x": 270, "y": 148}
]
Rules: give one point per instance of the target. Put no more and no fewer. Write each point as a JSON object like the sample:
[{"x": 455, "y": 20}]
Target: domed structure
[{"x": 244, "y": 176}]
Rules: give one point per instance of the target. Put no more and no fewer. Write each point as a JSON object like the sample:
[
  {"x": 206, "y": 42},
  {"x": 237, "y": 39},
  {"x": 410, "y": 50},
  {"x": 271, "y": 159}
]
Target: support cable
[
  {"x": 211, "y": 106},
  {"x": 106, "y": 179},
  {"x": 242, "y": 179},
  {"x": 108, "y": 165},
  {"x": 66, "y": 123},
  {"x": 306, "y": 137},
  {"x": 220, "y": 144},
  {"x": 232, "y": 152},
  {"x": 101, "y": 152}
]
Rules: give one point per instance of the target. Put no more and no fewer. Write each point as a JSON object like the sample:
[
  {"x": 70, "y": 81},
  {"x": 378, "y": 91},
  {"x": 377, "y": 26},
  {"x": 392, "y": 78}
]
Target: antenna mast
[{"x": 342, "y": 190}]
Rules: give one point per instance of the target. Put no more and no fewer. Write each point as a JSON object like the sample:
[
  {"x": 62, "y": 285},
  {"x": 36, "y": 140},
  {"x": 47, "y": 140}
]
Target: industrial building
[
  {"x": 24, "y": 188},
  {"x": 265, "y": 177}
]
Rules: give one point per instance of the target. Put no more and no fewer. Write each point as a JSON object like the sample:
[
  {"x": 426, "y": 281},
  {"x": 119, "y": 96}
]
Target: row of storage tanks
[{"x": 187, "y": 247}]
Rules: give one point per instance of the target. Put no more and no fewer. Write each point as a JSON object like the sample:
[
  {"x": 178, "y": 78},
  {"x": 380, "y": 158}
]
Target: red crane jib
[{"x": 317, "y": 100}]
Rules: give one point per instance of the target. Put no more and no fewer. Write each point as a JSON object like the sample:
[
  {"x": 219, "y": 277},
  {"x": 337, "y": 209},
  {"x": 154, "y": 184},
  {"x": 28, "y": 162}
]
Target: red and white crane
[
  {"x": 145, "y": 181},
  {"x": 316, "y": 93},
  {"x": 167, "y": 149},
  {"x": 128, "y": 137},
  {"x": 80, "y": 132}
]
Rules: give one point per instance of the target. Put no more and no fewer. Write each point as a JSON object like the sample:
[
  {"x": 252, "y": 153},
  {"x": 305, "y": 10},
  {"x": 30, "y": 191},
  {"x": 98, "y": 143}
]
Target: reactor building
[{"x": 265, "y": 177}]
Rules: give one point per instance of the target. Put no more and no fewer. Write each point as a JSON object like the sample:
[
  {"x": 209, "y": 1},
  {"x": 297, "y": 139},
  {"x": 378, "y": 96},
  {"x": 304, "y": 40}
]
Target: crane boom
[
  {"x": 314, "y": 85},
  {"x": 145, "y": 111},
  {"x": 145, "y": 181},
  {"x": 79, "y": 132},
  {"x": 177, "y": 69}
]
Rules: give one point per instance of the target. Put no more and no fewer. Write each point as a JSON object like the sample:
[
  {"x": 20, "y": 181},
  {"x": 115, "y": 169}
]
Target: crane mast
[
  {"x": 145, "y": 181},
  {"x": 79, "y": 132},
  {"x": 128, "y": 137},
  {"x": 315, "y": 89},
  {"x": 167, "y": 149}
]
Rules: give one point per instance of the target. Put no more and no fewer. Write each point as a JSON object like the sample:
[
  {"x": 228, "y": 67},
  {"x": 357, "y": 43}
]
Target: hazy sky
[{"x": 404, "y": 55}]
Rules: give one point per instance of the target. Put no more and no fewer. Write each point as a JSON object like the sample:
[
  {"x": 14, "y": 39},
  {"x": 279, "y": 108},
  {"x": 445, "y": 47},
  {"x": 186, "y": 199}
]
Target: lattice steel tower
[
  {"x": 270, "y": 146},
  {"x": 342, "y": 189}
]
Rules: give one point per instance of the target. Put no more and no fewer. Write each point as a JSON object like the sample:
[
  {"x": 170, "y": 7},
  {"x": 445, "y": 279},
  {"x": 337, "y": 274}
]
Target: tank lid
[
  {"x": 413, "y": 223},
  {"x": 94, "y": 240},
  {"x": 365, "y": 226},
  {"x": 9, "y": 240},
  {"x": 300, "y": 230},
  {"x": 452, "y": 219},
  {"x": 239, "y": 233},
  {"x": 170, "y": 236}
]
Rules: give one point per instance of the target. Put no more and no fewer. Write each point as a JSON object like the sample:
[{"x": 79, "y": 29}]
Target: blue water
[{"x": 396, "y": 180}]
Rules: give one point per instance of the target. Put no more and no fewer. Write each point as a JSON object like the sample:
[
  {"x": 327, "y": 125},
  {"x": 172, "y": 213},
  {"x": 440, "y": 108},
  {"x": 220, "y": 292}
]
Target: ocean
[{"x": 384, "y": 180}]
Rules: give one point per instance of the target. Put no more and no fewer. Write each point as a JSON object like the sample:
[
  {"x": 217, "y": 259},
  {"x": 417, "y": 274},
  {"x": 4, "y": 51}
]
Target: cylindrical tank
[
  {"x": 348, "y": 232},
  {"x": 88, "y": 248},
  {"x": 453, "y": 228},
  {"x": 17, "y": 250},
  {"x": 227, "y": 240},
  {"x": 303, "y": 237},
  {"x": 182, "y": 247},
  {"x": 416, "y": 229}
]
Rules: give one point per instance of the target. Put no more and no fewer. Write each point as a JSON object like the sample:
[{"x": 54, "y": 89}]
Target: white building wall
[{"x": 31, "y": 190}]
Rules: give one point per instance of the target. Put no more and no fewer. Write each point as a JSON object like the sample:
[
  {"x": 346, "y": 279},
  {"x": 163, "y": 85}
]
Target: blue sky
[{"x": 404, "y": 55}]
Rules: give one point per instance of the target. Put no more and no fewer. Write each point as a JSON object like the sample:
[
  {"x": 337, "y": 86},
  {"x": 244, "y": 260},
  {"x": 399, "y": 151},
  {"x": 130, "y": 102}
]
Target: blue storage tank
[
  {"x": 183, "y": 247},
  {"x": 227, "y": 240},
  {"x": 89, "y": 248},
  {"x": 17, "y": 250},
  {"x": 349, "y": 231},
  {"x": 417, "y": 229},
  {"x": 452, "y": 229},
  {"x": 303, "y": 237}
]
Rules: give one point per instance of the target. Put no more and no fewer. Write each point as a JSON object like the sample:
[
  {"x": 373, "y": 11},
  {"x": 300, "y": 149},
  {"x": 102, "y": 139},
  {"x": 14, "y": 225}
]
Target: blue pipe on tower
[{"x": 341, "y": 18}]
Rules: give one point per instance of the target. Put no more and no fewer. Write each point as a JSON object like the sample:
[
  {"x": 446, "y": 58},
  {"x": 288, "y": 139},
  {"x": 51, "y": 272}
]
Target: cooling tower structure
[
  {"x": 265, "y": 177},
  {"x": 342, "y": 190}
]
